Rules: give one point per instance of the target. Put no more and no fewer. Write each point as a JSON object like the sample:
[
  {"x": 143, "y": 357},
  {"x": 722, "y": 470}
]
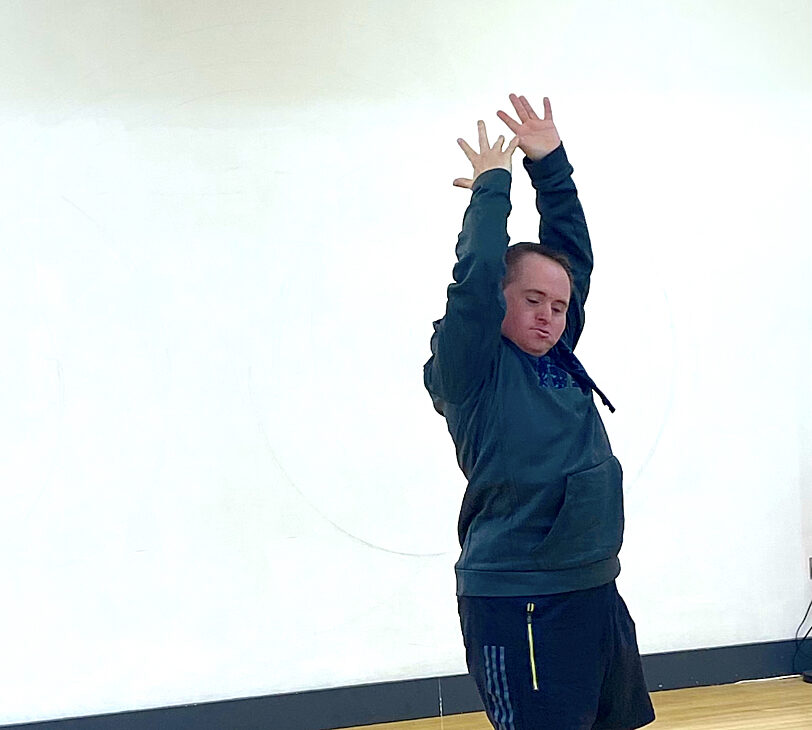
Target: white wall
[{"x": 227, "y": 228}]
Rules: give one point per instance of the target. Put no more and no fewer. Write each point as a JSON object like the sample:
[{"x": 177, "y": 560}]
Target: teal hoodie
[{"x": 543, "y": 510}]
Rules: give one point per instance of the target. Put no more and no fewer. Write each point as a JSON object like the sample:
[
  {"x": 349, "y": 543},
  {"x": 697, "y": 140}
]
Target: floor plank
[{"x": 779, "y": 704}]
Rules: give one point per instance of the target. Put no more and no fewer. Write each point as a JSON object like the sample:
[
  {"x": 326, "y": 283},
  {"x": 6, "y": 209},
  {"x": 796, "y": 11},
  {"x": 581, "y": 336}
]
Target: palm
[{"x": 537, "y": 137}]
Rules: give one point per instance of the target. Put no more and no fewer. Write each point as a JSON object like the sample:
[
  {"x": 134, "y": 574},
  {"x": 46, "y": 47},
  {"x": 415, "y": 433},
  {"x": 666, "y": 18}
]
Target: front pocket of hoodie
[{"x": 589, "y": 526}]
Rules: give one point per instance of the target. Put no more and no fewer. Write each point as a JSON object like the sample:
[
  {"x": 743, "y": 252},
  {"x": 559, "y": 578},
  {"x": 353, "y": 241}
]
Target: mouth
[{"x": 538, "y": 330}]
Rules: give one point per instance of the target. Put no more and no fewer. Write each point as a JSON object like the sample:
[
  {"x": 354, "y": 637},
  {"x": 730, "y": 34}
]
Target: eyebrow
[{"x": 544, "y": 294}]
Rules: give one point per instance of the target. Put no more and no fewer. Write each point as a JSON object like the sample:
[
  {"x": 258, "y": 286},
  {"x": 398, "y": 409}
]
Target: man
[{"x": 548, "y": 639}]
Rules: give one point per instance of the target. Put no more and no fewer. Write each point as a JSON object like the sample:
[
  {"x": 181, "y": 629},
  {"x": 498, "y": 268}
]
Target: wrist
[
  {"x": 547, "y": 165},
  {"x": 493, "y": 167}
]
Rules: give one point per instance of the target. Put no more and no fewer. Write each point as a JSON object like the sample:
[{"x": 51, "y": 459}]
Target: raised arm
[
  {"x": 465, "y": 340},
  {"x": 563, "y": 226}
]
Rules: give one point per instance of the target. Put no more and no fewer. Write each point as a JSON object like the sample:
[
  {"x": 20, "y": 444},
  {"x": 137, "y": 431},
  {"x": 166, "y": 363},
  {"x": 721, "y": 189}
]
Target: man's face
[{"x": 537, "y": 301}]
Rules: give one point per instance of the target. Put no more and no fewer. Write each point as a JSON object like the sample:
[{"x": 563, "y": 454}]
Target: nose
[{"x": 544, "y": 312}]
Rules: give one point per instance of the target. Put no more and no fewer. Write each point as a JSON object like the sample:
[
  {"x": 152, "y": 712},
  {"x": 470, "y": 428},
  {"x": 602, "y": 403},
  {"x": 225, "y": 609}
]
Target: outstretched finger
[
  {"x": 548, "y": 110},
  {"x": 466, "y": 148},
  {"x": 529, "y": 109},
  {"x": 500, "y": 140},
  {"x": 483, "y": 136},
  {"x": 463, "y": 182},
  {"x": 520, "y": 108},
  {"x": 512, "y": 145},
  {"x": 513, "y": 125}
]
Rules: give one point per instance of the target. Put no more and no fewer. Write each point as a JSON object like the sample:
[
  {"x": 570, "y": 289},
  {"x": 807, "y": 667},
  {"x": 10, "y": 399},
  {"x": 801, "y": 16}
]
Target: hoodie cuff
[{"x": 552, "y": 165}]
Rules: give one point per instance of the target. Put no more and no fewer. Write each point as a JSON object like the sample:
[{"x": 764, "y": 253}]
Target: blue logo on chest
[{"x": 552, "y": 376}]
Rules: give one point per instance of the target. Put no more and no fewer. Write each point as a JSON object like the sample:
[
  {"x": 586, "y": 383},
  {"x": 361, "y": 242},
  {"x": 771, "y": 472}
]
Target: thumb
[{"x": 463, "y": 182}]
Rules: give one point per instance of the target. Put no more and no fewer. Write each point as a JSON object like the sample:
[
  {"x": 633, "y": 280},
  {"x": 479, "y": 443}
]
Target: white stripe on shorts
[{"x": 497, "y": 685}]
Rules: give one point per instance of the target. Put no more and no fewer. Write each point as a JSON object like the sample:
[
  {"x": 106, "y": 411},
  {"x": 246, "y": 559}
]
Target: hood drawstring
[{"x": 579, "y": 373}]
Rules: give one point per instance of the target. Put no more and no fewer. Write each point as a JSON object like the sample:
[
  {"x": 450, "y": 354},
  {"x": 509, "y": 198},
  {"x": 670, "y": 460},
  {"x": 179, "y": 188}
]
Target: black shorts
[{"x": 567, "y": 661}]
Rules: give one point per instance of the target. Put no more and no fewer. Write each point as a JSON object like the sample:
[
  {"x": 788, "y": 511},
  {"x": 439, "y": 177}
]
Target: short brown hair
[{"x": 518, "y": 251}]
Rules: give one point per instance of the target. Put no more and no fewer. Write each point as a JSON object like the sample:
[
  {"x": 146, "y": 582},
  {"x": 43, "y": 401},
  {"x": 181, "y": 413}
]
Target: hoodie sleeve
[
  {"x": 563, "y": 228},
  {"x": 466, "y": 339}
]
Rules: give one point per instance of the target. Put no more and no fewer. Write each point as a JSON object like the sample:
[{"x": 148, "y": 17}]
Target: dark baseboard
[{"x": 412, "y": 699}]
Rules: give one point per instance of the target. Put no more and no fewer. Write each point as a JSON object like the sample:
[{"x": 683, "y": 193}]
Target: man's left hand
[{"x": 537, "y": 137}]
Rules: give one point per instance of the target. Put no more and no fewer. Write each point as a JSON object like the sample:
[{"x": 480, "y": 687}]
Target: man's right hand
[{"x": 488, "y": 158}]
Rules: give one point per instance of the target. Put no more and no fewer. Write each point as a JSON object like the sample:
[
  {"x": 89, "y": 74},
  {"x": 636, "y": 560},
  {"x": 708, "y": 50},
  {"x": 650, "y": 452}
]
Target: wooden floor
[{"x": 780, "y": 704}]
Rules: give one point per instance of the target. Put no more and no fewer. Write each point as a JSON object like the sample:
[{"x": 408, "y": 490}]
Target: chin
[{"x": 535, "y": 350}]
